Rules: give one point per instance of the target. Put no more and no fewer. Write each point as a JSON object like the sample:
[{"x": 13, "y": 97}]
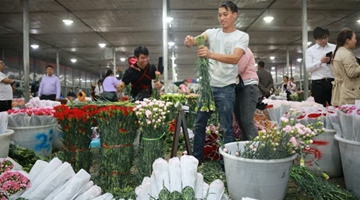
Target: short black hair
[
  {"x": 261, "y": 64},
  {"x": 185, "y": 80},
  {"x": 229, "y": 5},
  {"x": 49, "y": 66},
  {"x": 109, "y": 72},
  {"x": 141, "y": 50},
  {"x": 320, "y": 32}
]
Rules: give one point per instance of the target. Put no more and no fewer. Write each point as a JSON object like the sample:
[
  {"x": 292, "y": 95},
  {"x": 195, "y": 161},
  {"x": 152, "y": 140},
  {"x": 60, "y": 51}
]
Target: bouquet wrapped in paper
[
  {"x": 184, "y": 182},
  {"x": 12, "y": 182},
  {"x": 346, "y": 115},
  {"x": 31, "y": 117}
]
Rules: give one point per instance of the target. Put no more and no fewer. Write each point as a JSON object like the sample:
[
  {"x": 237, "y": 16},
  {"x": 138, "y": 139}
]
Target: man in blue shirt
[{"x": 50, "y": 85}]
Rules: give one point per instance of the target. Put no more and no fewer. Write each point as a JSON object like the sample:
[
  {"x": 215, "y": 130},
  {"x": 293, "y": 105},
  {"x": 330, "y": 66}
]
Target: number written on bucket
[{"x": 44, "y": 141}]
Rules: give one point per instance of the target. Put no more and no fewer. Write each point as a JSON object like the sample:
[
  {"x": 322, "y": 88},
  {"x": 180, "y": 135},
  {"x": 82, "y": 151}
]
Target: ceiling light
[
  {"x": 73, "y": 60},
  {"x": 272, "y": 68},
  {"x": 273, "y": 72},
  {"x": 358, "y": 21},
  {"x": 169, "y": 19},
  {"x": 171, "y": 43},
  {"x": 68, "y": 21},
  {"x": 272, "y": 57},
  {"x": 173, "y": 58},
  {"x": 308, "y": 43},
  {"x": 122, "y": 59},
  {"x": 268, "y": 18},
  {"x": 102, "y": 45},
  {"x": 299, "y": 59},
  {"x": 34, "y": 46}
]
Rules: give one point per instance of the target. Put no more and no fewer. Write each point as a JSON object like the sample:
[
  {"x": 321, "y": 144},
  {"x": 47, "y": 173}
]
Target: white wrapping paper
[
  {"x": 74, "y": 186},
  {"x": 199, "y": 189},
  {"x": 189, "y": 171},
  {"x": 51, "y": 182},
  {"x": 154, "y": 189},
  {"x": 216, "y": 190},
  {"x": 3, "y": 121},
  {"x": 91, "y": 193},
  {"x": 175, "y": 174},
  {"x": 54, "y": 164},
  {"x": 161, "y": 172}
]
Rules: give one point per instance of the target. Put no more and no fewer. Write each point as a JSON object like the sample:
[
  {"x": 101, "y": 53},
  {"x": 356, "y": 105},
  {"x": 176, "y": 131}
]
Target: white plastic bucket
[
  {"x": 57, "y": 142},
  {"x": 350, "y": 154},
  {"x": 325, "y": 152},
  {"x": 36, "y": 138},
  {"x": 5, "y": 143},
  {"x": 258, "y": 179}
]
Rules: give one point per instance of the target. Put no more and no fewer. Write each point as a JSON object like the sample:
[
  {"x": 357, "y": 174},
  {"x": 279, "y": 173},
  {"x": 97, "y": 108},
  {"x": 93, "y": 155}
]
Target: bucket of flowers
[{"x": 262, "y": 166}]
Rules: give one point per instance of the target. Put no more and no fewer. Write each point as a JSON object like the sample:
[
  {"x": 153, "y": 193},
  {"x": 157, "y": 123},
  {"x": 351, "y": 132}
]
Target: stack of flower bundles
[{"x": 178, "y": 179}]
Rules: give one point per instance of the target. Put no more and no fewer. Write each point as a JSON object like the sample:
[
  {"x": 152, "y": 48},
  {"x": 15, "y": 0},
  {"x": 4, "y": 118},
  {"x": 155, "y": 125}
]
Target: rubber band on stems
[{"x": 154, "y": 139}]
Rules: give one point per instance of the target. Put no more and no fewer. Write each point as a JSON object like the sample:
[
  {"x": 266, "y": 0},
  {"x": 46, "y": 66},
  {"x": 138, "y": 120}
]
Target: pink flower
[
  {"x": 287, "y": 128},
  {"x": 294, "y": 141}
]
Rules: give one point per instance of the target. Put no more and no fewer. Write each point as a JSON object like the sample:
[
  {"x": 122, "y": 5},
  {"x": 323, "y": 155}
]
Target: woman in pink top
[{"x": 247, "y": 97}]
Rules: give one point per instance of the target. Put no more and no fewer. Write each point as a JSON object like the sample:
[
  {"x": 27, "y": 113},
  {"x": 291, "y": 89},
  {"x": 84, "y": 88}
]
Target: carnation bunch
[
  {"x": 153, "y": 127},
  {"x": 12, "y": 182},
  {"x": 278, "y": 143},
  {"x": 152, "y": 114},
  {"x": 5, "y": 166}
]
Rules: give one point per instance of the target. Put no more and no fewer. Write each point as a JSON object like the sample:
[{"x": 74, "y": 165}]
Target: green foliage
[
  {"x": 318, "y": 188},
  {"x": 25, "y": 157}
]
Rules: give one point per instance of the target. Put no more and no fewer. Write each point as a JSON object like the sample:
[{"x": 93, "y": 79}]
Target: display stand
[{"x": 180, "y": 122}]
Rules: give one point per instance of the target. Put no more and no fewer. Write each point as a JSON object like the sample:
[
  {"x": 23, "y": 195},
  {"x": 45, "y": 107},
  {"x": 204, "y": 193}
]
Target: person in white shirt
[
  {"x": 6, "y": 92},
  {"x": 318, "y": 59},
  {"x": 226, "y": 46},
  {"x": 98, "y": 89}
]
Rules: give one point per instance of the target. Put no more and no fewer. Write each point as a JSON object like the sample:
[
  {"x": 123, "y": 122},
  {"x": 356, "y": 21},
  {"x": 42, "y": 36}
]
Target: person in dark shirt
[
  {"x": 140, "y": 75},
  {"x": 17, "y": 92},
  {"x": 71, "y": 93}
]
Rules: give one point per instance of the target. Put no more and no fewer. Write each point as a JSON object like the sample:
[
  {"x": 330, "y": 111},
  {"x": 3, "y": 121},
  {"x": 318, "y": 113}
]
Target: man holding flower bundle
[
  {"x": 140, "y": 75},
  {"x": 226, "y": 46}
]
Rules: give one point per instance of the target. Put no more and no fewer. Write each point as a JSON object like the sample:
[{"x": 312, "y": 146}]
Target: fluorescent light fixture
[
  {"x": 268, "y": 19},
  {"x": 73, "y": 60},
  {"x": 169, "y": 19},
  {"x": 299, "y": 59},
  {"x": 272, "y": 72},
  {"x": 173, "y": 58},
  {"x": 308, "y": 43},
  {"x": 171, "y": 43},
  {"x": 272, "y": 57},
  {"x": 68, "y": 21},
  {"x": 102, "y": 45},
  {"x": 122, "y": 59},
  {"x": 358, "y": 21},
  {"x": 272, "y": 68},
  {"x": 34, "y": 46}
]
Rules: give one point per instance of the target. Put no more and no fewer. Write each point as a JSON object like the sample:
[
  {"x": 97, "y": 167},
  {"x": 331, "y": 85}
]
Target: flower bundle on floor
[
  {"x": 11, "y": 182},
  {"x": 153, "y": 127},
  {"x": 31, "y": 117},
  {"x": 118, "y": 126},
  {"x": 280, "y": 143},
  {"x": 206, "y": 94},
  {"x": 76, "y": 132}
]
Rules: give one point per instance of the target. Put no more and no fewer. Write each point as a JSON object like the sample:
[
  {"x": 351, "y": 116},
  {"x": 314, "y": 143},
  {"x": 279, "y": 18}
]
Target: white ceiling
[{"x": 126, "y": 24}]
